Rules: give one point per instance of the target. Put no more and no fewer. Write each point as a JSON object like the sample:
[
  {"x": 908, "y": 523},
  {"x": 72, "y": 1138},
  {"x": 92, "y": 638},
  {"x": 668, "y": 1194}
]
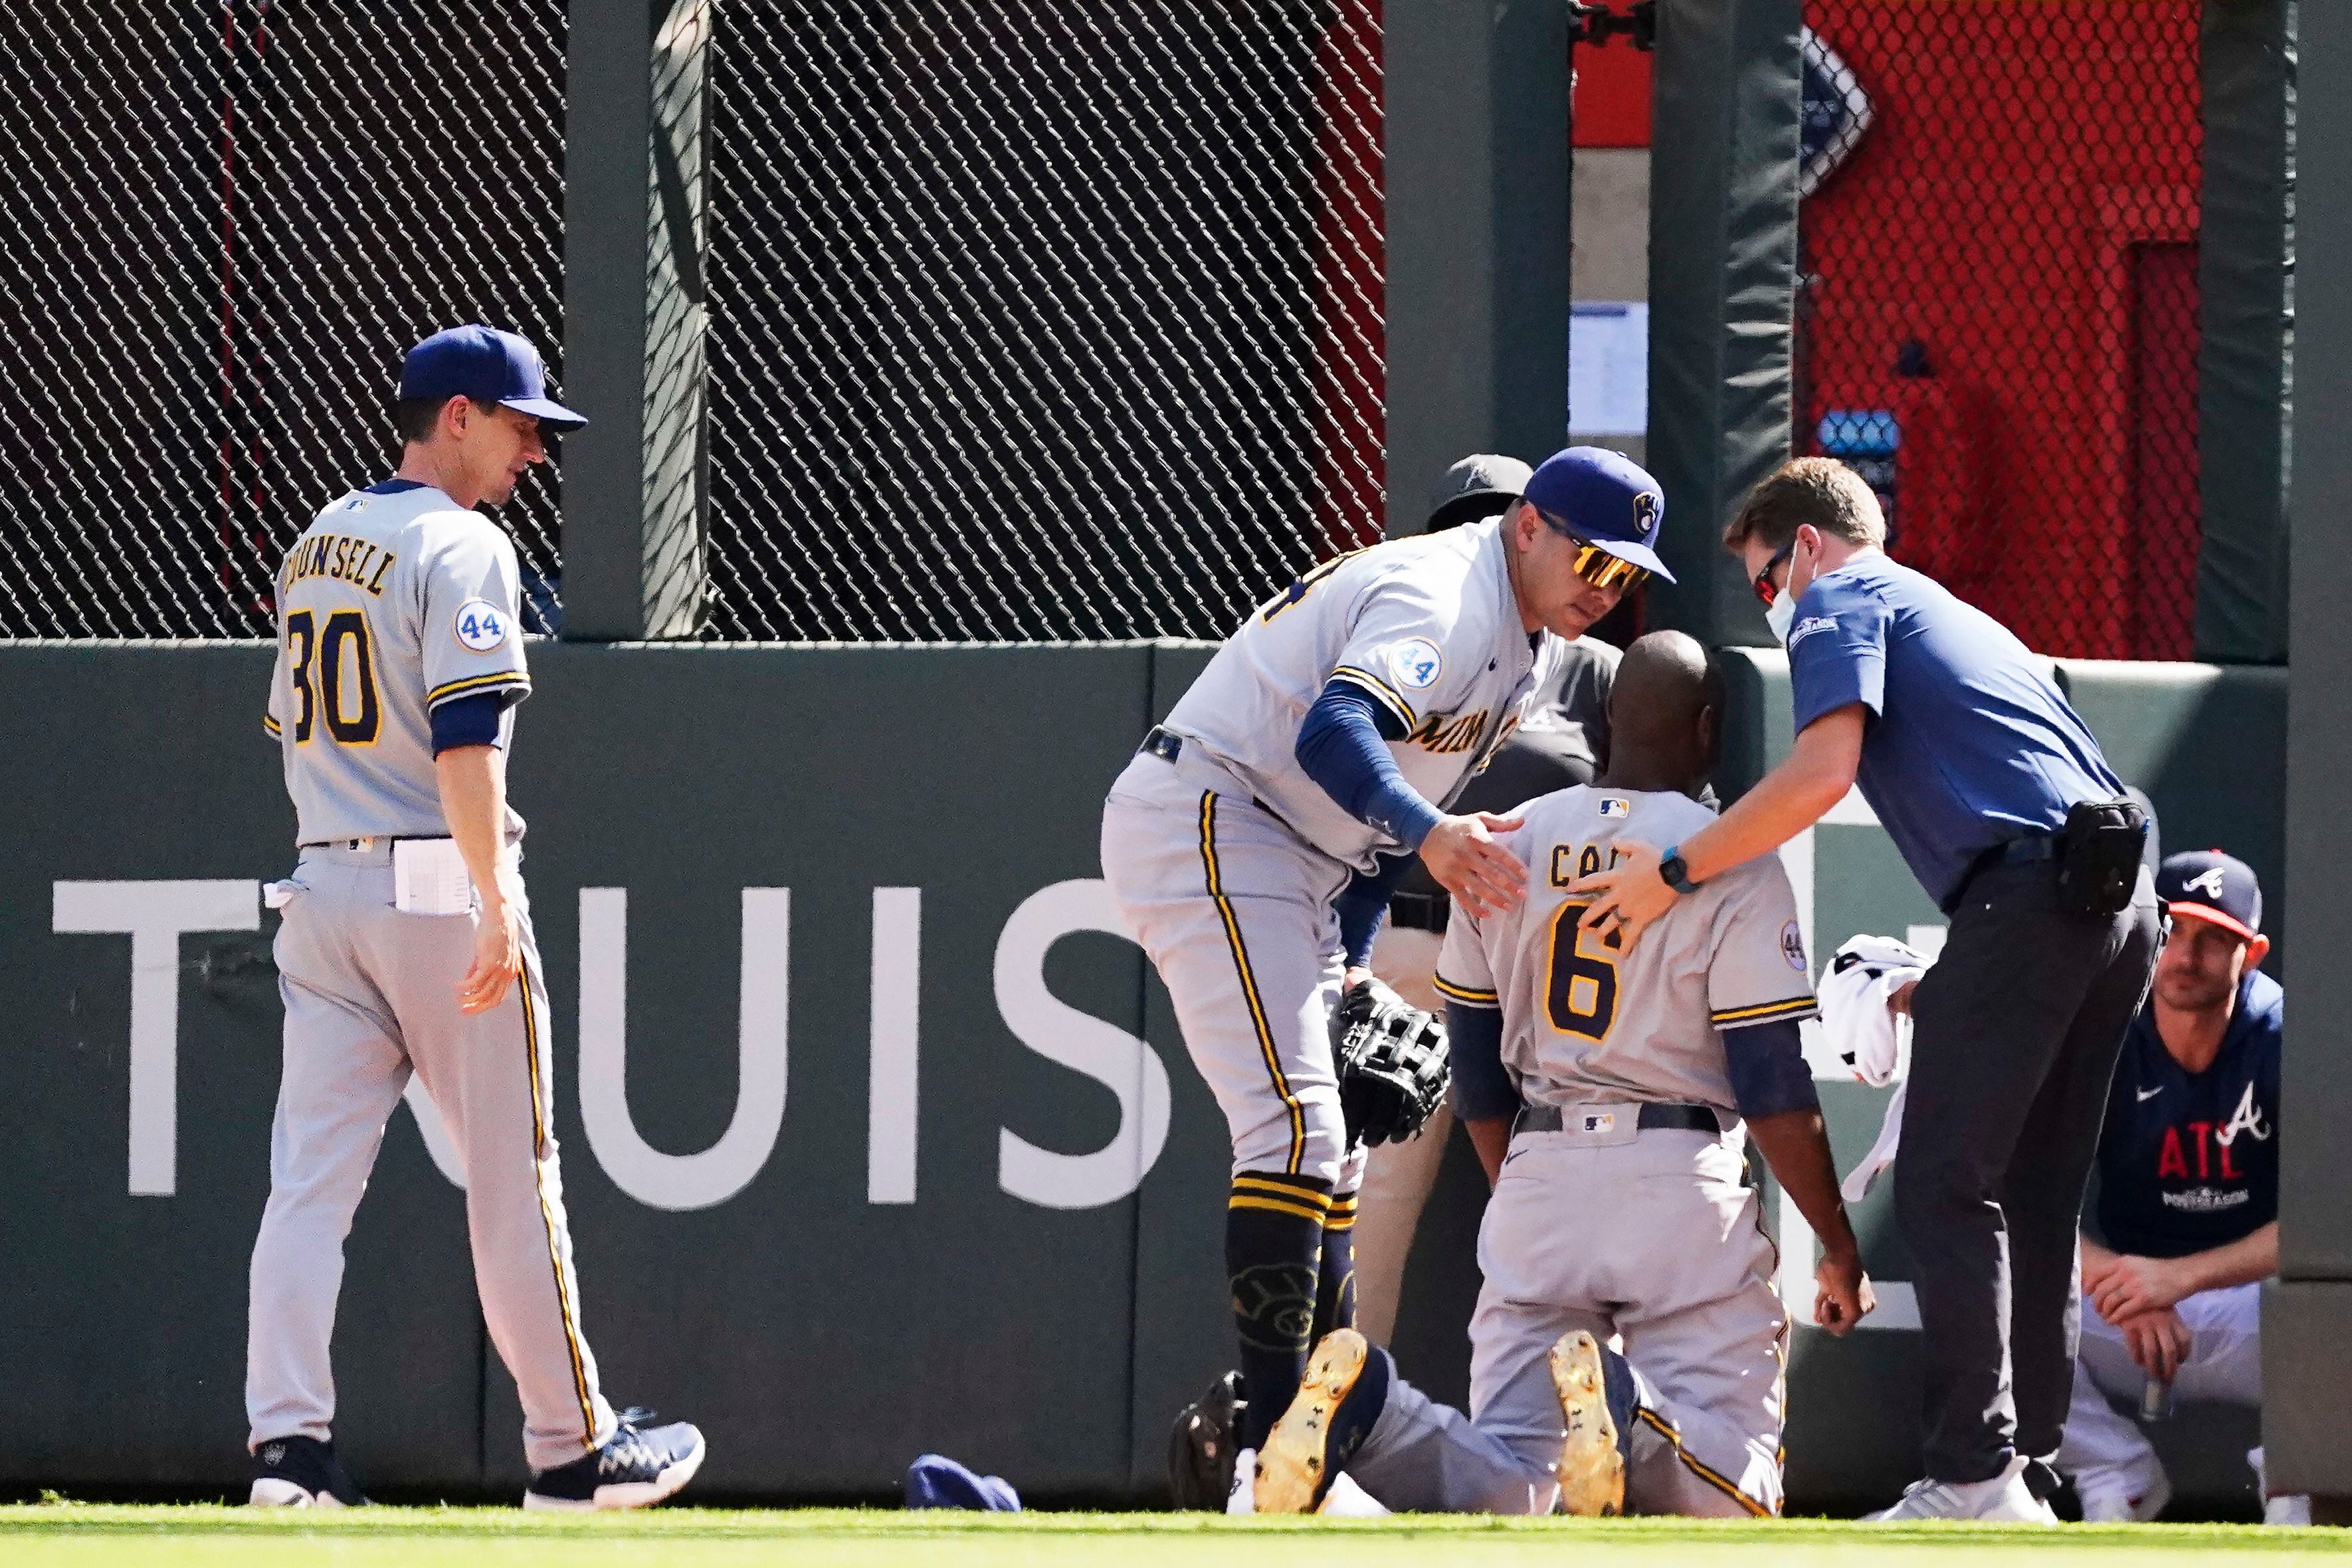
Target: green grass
[{"x": 75, "y": 1535}]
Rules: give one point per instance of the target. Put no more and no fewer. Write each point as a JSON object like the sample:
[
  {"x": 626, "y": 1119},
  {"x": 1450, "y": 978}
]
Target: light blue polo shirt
[{"x": 1967, "y": 743}]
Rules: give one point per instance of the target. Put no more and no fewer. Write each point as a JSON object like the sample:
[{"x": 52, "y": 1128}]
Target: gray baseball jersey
[
  {"x": 394, "y": 600},
  {"x": 1428, "y": 626},
  {"x": 1584, "y": 1020}
]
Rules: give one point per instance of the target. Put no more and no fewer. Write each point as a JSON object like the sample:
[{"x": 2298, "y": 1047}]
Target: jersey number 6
[
  {"x": 1581, "y": 976},
  {"x": 317, "y": 667}
]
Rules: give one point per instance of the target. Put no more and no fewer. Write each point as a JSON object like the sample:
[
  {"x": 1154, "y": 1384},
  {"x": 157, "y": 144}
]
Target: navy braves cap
[
  {"x": 935, "y": 1480},
  {"x": 486, "y": 365},
  {"x": 1604, "y": 497},
  {"x": 2213, "y": 886}
]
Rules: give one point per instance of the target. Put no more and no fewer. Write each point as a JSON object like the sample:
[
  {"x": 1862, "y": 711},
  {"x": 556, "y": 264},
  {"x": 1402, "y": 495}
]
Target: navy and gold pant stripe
[
  {"x": 1249, "y": 982},
  {"x": 539, "y": 1102},
  {"x": 1277, "y": 1194},
  {"x": 1716, "y": 1478},
  {"x": 1343, "y": 1213}
]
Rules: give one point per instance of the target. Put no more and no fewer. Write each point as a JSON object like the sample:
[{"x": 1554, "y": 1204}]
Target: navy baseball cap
[
  {"x": 935, "y": 1480},
  {"x": 486, "y": 365},
  {"x": 1605, "y": 498},
  {"x": 2211, "y": 886}
]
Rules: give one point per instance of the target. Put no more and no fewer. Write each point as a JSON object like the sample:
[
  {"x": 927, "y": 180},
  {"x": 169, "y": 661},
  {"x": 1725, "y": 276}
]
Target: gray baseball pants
[
  {"x": 370, "y": 997},
  {"x": 1652, "y": 1238}
]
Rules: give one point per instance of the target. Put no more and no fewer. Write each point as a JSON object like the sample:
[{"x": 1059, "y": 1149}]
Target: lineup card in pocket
[{"x": 429, "y": 878}]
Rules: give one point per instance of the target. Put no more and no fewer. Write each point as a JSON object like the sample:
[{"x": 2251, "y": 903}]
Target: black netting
[
  {"x": 1997, "y": 320},
  {"x": 226, "y": 223},
  {"x": 1032, "y": 320}
]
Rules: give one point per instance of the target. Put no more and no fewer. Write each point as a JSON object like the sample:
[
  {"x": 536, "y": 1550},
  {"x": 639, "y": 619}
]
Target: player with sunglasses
[{"x": 1335, "y": 727}]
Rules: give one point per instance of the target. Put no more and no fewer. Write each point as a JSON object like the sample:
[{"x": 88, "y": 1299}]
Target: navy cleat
[
  {"x": 1346, "y": 1385},
  {"x": 637, "y": 1466},
  {"x": 301, "y": 1472}
]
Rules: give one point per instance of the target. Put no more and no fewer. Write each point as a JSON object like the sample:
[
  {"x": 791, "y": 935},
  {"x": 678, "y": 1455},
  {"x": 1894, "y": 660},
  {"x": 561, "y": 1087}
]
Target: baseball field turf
[{"x": 73, "y": 1535}]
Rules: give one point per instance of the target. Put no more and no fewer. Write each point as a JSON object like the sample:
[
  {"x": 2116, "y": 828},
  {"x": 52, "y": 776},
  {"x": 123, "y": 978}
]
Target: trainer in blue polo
[
  {"x": 484, "y": 364},
  {"x": 1604, "y": 499},
  {"x": 1997, "y": 797}
]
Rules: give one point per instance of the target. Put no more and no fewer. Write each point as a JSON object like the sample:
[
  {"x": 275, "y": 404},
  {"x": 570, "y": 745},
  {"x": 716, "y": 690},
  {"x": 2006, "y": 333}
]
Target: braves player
[
  {"x": 1330, "y": 727},
  {"x": 1622, "y": 1215},
  {"x": 406, "y": 945},
  {"x": 2187, "y": 1209}
]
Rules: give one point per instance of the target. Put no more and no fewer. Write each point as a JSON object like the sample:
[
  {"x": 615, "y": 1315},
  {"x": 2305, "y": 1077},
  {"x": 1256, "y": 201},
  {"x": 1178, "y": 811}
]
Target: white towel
[{"x": 1870, "y": 1041}]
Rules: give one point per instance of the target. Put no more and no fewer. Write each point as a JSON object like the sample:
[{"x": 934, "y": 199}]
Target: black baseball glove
[{"x": 1393, "y": 1064}]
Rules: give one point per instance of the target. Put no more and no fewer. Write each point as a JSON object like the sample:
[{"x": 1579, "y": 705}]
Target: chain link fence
[
  {"x": 1028, "y": 321},
  {"x": 1998, "y": 316},
  {"x": 226, "y": 223},
  {"x": 1039, "y": 321}
]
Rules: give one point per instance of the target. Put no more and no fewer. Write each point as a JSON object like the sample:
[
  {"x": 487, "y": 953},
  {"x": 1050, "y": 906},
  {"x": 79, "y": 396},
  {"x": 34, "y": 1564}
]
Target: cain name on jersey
[{"x": 1583, "y": 1019}]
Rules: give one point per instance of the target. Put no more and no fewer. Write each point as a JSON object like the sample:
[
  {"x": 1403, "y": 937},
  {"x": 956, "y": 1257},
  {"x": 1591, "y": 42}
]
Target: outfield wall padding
[{"x": 1004, "y": 1243}]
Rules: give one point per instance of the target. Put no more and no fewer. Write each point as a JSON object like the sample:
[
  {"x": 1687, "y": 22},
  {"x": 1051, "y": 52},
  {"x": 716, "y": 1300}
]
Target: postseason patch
[
  {"x": 1792, "y": 947},
  {"x": 1807, "y": 628},
  {"x": 1616, "y": 805},
  {"x": 480, "y": 625},
  {"x": 1416, "y": 663}
]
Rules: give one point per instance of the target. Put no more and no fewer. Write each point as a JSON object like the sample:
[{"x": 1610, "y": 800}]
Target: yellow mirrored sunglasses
[{"x": 1594, "y": 565}]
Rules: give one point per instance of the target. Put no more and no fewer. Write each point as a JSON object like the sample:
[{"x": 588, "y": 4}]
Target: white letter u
[{"x": 682, "y": 1181}]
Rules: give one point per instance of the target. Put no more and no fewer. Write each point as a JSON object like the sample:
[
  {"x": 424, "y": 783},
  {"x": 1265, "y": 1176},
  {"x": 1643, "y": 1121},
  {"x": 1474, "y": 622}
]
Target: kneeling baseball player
[{"x": 1621, "y": 1215}]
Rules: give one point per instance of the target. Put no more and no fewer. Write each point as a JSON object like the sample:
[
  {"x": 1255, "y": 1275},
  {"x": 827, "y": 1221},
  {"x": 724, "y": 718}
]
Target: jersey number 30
[
  {"x": 333, "y": 674},
  {"x": 1581, "y": 980}
]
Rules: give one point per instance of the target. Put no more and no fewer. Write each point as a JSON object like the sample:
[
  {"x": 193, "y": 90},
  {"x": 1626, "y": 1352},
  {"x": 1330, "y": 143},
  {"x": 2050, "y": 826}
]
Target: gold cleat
[
  {"x": 1290, "y": 1478},
  {"x": 1592, "y": 1468}
]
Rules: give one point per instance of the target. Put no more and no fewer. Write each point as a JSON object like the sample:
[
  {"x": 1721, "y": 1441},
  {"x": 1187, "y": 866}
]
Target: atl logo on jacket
[{"x": 2212, "y": 1146}]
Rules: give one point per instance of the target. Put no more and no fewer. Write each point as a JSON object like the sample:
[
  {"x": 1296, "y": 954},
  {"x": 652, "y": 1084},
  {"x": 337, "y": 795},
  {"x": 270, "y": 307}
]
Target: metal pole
[
  {"x": 1476, "y": 158},
  {"x": 2307, "y": 1311},
  {"x": 1723, "y": 266}
]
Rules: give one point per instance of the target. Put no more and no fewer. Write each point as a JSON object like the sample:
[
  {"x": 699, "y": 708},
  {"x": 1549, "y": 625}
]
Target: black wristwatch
[{"x": 1675, "y": 873}]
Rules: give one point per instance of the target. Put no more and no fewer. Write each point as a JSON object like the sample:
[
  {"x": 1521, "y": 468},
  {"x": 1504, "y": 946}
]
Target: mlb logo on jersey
[{"x": 1616, "y": 805}]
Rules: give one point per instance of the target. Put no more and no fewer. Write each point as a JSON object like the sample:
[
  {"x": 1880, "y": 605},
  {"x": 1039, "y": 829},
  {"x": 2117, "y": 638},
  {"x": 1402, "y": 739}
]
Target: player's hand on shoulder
[
  {"x": 1483, "y": 877},
  {"x": 1627, "y": 895},
  {"x": 1843, "y": 1294},
  {"x": 2131, "y": 1286},
  {"x": 2159, "y": 1342}
]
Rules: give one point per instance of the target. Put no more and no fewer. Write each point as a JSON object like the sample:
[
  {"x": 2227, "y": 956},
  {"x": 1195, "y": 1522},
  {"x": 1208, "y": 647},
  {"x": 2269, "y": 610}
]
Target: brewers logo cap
[
  {"x": 485, "y": 365},
  {"x": 1605, "y": 498},
  {"x": 2208, "y": 885}
]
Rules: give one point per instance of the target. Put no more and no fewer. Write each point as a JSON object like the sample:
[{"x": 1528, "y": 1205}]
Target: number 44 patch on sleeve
[{"x": 482, "y": 625}]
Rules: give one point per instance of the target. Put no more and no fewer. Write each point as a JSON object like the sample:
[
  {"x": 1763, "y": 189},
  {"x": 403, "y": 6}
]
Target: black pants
[{"x": 2018, "y": 1028}]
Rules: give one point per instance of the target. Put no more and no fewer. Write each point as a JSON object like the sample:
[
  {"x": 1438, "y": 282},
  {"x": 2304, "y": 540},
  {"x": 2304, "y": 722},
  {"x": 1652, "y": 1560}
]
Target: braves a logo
[
  {"x": 2248, "y": 1117},
  {"x": 2208, "y": 882}
]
